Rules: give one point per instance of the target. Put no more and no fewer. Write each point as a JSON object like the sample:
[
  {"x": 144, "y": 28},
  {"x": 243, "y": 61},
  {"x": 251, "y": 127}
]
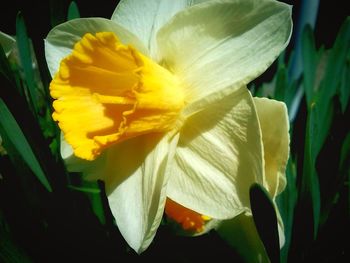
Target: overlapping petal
[
  {"x": 137, "y": 201},
  {"x": 145, "y": 18},
  {"x": 241, "y": 234},
  {"x": 274, "y": 123},
  {"x": 240, "y": 231},
  {"x": 218, "y": 157},
  {"x": 61, "y": 40},
  {"x": 135, "y": 173},
  {"x": 220, "y": 44}
]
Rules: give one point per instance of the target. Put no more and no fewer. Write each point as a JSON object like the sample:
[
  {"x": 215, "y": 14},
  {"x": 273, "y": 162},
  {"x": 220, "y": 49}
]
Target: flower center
[
  {"x": 190, "y": 220},
  {"x": 107, "y": 92}
]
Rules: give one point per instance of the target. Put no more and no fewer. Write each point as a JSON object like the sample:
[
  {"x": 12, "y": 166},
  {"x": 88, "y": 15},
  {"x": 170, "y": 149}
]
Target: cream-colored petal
[
  {"x": 218, "y": 157},
  {"x": 144, "y": 18},
  {"x": 7, "y": 42},
  {"x": 61, "y": 39},
  {"x": 135, "y": 176},
  {"x": 241, "y": 234},
  {"x": 274, "y": 123},
  {"x": 91, "y": 170},
  {"x": 220, "y": 44}
]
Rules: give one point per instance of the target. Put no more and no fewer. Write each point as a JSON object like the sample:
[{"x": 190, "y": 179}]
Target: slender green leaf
[
  {"x": 345, "y": 84},
  {"x": 5, "y": 68},
  {"x": 85, "y": 189},
  {"x": 25, "y": 54},
  {"x": 281, "y": 83},
  {"x": 309, "y": 58},
  {"x": 310, "y": 189},
  {"x": 73, "y": 11},
  {"x": 321, "y": 117},
  {"x": 336, "y": 62},
  {"x": 9, "y": 126},
  {"x": 265, "y": 219},
  {"x": 286, "y": 203}
]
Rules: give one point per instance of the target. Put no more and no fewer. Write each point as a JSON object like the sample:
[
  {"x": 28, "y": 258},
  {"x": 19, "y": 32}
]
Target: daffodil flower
[{"x": 154, "y": 102}]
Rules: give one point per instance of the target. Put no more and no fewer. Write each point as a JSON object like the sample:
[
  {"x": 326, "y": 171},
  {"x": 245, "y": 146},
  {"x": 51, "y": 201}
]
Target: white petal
[
  {"x": 222, "y": 44},
  {"x": 144, "y": 18},
  {"x": 241, "y": 234},
  {"x": 135, "y": 176},
  {"x": 218, "y": 157},
  {"x": 61, "y": 39},
  {"x": 274, "y": 123},
  {"x": 7, "y": 42},
  {"x": 91, "y": 170}
]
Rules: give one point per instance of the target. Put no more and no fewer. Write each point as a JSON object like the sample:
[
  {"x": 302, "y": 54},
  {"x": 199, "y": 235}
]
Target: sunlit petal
[
  {"x": 135, "y": 175},
  {"x": 144, "y": 18},
  {"x": 224, "y": 44},
  {"x": 274, "y": 123},
  {"x": 218, "y": 157},
  {"x": 62, "y": 38}
]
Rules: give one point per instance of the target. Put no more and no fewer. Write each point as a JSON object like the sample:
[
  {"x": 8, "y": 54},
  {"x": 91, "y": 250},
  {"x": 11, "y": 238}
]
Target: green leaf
[
  {"x": 9, "y": 126},
  {"x": 281, "y": 83},
  {"x": 286, "y": 203},
  {"x": 25, "y": 54},
  {"x": 265, "y": 220},
  {"x": 337, "y": 59},
  {"x": 83, "y": 189},
  {"x": 310, "y": 188},
  {"x": 320, "y": 118},
  {"x": 309, "y": 58},
  {"x": 5, "y": 68},
  {"x": 73, "y": 11},
  {"x": 345, "y": 85}
]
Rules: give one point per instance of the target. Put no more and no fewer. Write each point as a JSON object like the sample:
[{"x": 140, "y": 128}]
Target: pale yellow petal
[
  {"x": 241, "y": 234},
  {"x": 274, "y": 123},
  {"x": 135, "y": 176},
  {"x": 61, "y": 39},
  {"x": 144, "y": 18},
  {"x": 218, "y": 157},
  {"x": 224, "y": 44}
]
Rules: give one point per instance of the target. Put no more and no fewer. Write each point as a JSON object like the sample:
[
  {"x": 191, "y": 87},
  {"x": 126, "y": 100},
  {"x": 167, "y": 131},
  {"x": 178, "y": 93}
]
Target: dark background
[{"x": 37, "y": 14}]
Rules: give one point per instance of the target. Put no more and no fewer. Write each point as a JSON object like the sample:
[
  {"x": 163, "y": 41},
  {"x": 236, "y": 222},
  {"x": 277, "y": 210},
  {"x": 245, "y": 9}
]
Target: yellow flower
[{"x": 154, "y": 102}]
